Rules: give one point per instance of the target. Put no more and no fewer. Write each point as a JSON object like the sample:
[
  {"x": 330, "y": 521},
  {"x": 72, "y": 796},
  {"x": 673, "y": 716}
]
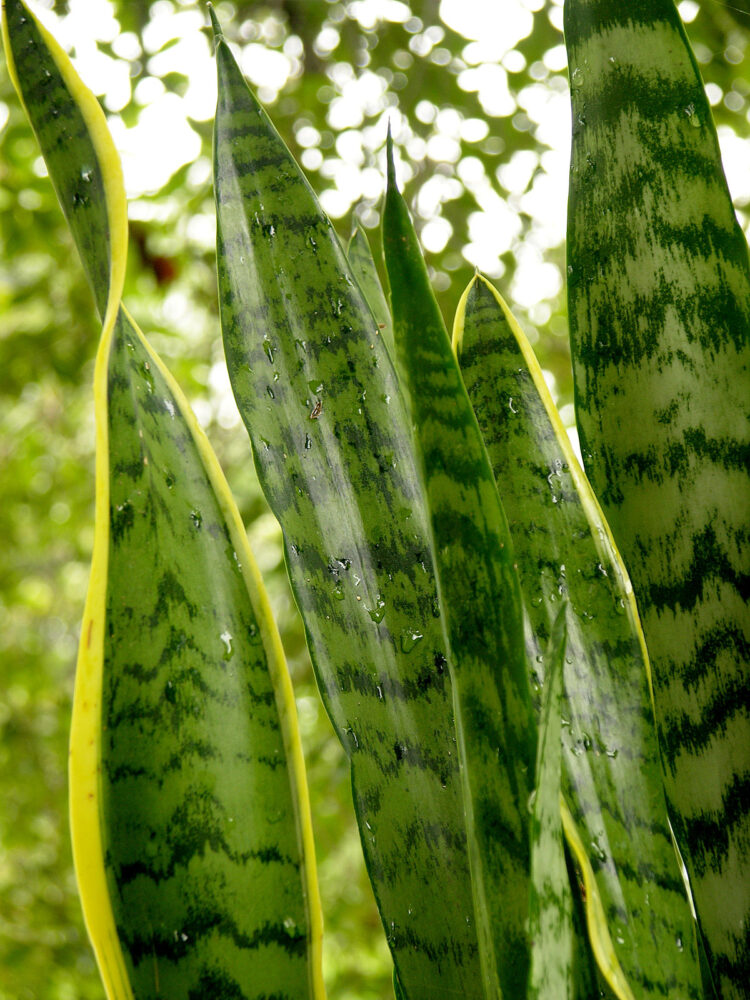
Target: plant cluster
[{"x": 524, "y": 754}]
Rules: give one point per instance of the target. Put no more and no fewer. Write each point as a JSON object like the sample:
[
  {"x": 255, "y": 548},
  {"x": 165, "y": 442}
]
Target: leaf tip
[
  {"x": 391, "y": 175},
  {"x": 218, "y": 33}
]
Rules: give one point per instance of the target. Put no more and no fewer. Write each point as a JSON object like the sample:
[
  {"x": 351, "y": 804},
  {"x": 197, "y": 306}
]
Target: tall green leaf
[
  {"x": 659, "y": 305},
  {"x": 190, "y": 821},
  {"x": 482, "y": 612},
  {"x": 611, "y": 772},
  {"x": 332, "y": 445}
]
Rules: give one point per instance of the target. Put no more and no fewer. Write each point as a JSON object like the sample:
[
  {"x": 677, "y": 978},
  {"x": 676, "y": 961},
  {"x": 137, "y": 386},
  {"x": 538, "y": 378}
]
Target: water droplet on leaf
[
  {"x": 597, "y": 849},
  {"x": 409, "y": 639},
  {"x": 692, "y": 116},
  {"x": 378, "y": 612},
  {"x": 226, "y": 638}
]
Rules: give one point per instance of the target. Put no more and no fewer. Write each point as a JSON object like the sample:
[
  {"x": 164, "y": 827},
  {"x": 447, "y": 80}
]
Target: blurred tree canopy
[{"x": 476, "y": 92}]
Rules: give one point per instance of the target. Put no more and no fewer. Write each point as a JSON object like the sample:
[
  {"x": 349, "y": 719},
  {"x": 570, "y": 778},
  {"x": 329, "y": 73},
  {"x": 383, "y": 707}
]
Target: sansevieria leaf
[
  {"x": 82, "y": 162},
  {"x": 364, "y": 270},
  {"x": 642, "y": 933},
  {"x": 332, "y": 444},
  {"x": 481, "y": 608},
  {"x": 551, "y": 975},
  {"x": 190, "y": 821},
  {"x": 659, "y": 305},
  {"x": 205, "y": 825}
]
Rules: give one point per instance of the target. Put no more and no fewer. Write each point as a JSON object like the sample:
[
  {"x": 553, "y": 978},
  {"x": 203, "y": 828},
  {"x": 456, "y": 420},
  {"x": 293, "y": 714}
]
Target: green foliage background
[{"x": 48, "y": 335}]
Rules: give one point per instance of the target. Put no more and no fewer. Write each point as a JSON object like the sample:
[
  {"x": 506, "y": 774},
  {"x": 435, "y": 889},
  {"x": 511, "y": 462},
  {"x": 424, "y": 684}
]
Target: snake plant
[{"x": 525, "y": 757}]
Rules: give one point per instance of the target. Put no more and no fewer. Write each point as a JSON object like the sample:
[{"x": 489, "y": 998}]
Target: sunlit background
[{"x": 477, "y": 96}]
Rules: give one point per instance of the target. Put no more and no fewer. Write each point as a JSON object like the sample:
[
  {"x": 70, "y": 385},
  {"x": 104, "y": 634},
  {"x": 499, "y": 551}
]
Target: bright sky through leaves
[
  {"x": 519, "y": 209},
  {"x": 162, "y": 140}
]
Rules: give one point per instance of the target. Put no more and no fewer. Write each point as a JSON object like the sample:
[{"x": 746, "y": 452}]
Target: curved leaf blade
[
  {"x": 659, "y": 305},
  {"x": 611, "y": 770},
  {"x": 332, "y": 445},
  {"x": 482, "y": 613}
]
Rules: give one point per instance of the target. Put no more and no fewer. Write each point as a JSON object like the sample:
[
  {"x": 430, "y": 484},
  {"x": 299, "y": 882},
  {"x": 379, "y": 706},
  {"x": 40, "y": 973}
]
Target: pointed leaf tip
[
  {"x": 389, "y": 155},
  {"x": 218, "y": 33}
]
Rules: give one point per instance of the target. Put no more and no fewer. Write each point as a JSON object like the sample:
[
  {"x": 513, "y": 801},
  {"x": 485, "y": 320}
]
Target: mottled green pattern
[
  {"x": 659, "y": 305},
  {"x": 364, "y": 270},
  {"x": 198, "y": 820},
  {"x": 551, "y": 906},
  {"x": 65, "y": 144},
  {"x": 332, "y": 446},
  {"x": 480, "y": 600},
  {"x": 611, "y": 774}
]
